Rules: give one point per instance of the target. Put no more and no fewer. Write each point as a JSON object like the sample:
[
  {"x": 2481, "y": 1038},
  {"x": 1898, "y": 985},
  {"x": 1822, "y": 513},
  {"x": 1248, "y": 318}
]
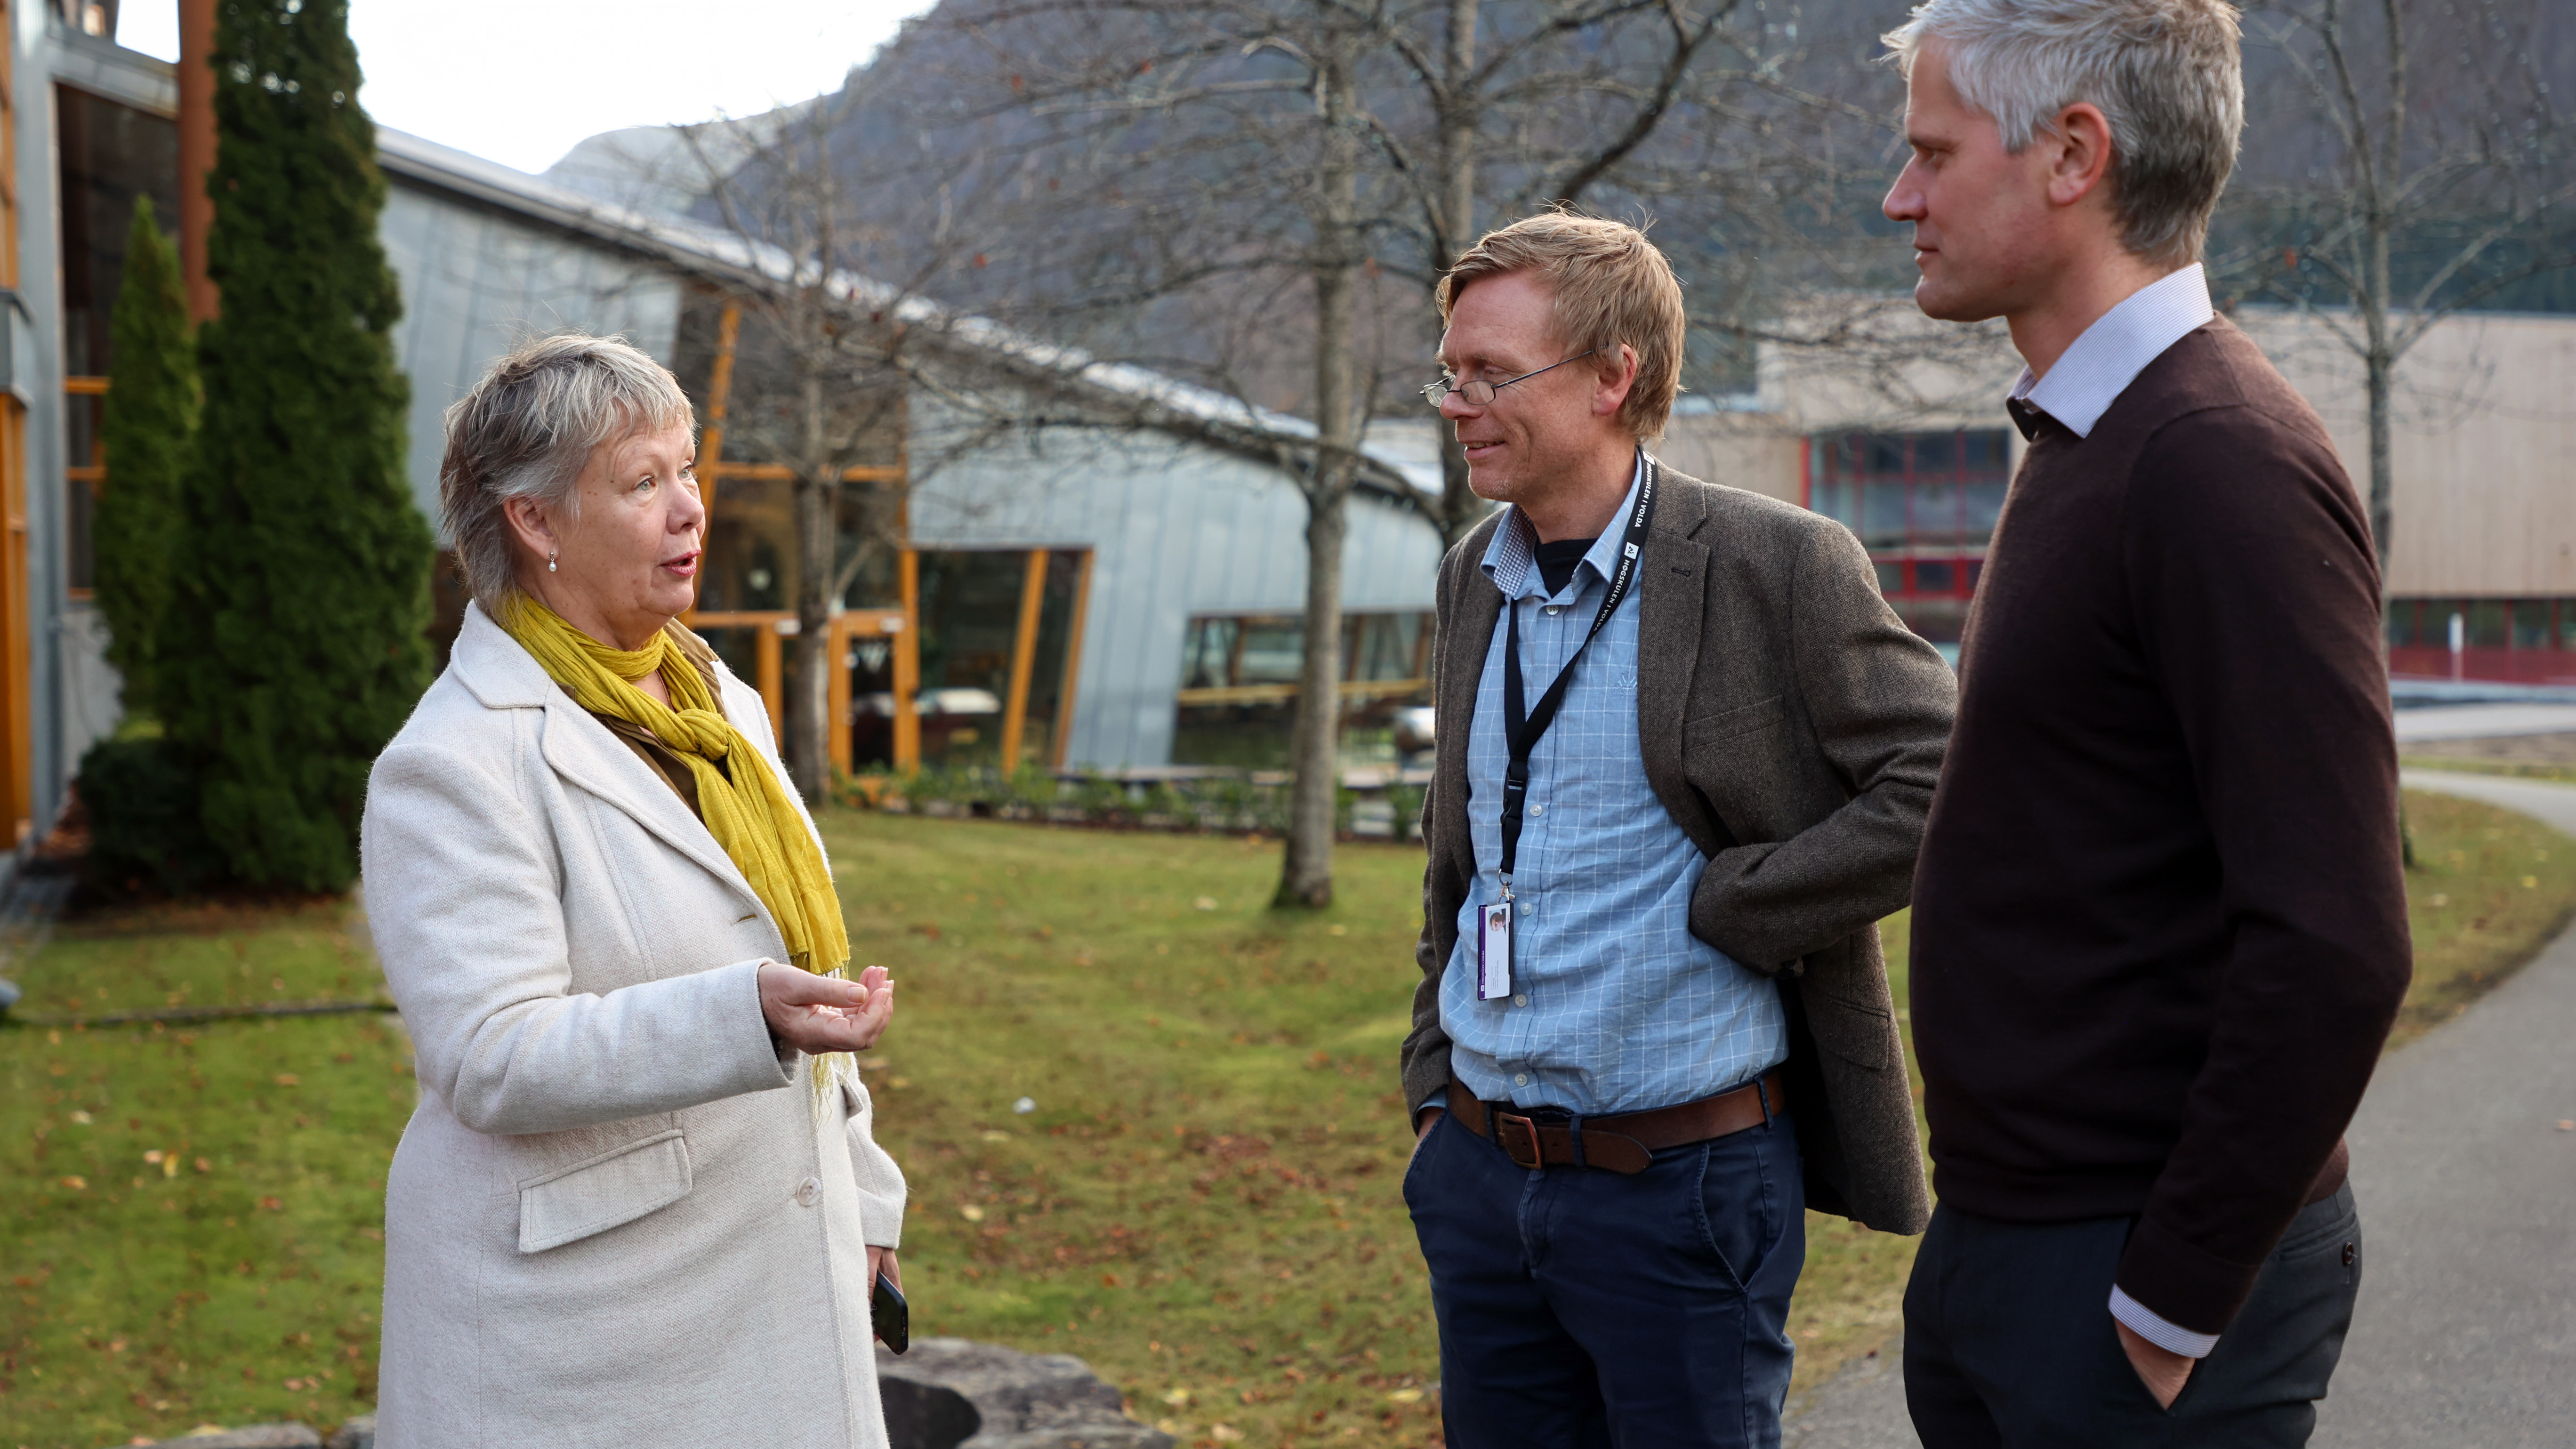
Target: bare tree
[
  {"x": 2428, "y": 171},
  {"x": 1252, "y": 155},
  {"x": 818, "y": 382}
]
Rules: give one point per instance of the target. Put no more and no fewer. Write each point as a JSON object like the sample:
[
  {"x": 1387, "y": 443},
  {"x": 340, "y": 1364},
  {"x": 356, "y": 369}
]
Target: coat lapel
[
  {"x": 580, "y": 749},
  {"x": 1672, "y": 598}
]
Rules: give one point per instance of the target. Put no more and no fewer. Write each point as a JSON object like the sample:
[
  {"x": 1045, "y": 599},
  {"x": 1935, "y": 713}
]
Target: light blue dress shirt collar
[{"x": 2090, "y": 375}]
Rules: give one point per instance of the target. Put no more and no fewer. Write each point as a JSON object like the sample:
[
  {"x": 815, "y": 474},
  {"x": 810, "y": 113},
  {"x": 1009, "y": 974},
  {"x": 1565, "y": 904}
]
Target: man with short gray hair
[{"x": 2159, "y": 930}]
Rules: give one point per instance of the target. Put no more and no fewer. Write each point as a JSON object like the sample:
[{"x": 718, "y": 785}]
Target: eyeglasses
[{"x": 1477, "y": 393}]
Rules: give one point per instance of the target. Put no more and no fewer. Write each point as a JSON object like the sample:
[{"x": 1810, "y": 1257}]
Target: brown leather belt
[{"x": 1625, "y": 1143}]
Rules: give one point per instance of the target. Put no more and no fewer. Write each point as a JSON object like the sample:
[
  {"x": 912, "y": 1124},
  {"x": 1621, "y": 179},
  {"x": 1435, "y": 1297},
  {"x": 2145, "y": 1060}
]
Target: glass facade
[
  {"x": 1239, "y": 676},
  {"x": 2522, "y": 641},
  {"x": 1924, "y": 505},
  {"x": 109, "y": 154}
]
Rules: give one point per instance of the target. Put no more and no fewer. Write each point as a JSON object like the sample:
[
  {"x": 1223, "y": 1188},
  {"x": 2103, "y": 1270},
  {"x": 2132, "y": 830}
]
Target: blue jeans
[{"x": 1583, "y": 1307}]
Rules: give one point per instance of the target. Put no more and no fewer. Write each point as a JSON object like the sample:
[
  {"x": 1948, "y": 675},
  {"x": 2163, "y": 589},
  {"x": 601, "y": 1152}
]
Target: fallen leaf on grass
[
  {"x": 1205, "y": 903},
  {"x": 289, "y": 1079},
  {"x": 77, "y": 1184},
  {"x": 971, "y": 1213},
  {"x": 1405, "y": 1396}
]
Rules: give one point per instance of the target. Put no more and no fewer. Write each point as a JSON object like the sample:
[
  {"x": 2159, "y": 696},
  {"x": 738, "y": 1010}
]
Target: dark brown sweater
[{"x": 2159, "y": 926}]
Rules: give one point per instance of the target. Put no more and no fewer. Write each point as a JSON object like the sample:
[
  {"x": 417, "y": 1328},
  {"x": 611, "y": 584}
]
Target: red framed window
[{"x": 1924, "y": 504}]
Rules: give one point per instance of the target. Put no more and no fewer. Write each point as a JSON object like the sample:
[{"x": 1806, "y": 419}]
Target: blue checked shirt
[{"x": 1617, "y": 1006}]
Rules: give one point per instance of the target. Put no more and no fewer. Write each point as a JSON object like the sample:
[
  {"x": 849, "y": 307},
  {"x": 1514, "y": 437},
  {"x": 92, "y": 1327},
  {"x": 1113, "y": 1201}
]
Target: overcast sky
[{"x": 519, "y": 81}]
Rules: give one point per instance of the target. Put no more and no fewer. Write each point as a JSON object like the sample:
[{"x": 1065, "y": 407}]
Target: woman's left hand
[
  {"x": 816, "y": 1014},
  {"x": 881, "y": 1264}
]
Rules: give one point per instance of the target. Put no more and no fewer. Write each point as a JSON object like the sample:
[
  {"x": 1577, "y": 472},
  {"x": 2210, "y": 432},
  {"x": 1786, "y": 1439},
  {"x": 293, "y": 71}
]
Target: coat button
[{"x": 807, "y": 1191}]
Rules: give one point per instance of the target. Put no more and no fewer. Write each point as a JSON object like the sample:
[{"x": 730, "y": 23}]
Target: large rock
[
  {"x": 953, "y": 1393},
  {"x": 254, "y": 1436}
]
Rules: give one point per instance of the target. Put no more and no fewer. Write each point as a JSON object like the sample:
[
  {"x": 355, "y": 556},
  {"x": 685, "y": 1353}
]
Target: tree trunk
[
  {"x": 809, "y": 720},
  {"x": 1306, "y": 869},
  {"x": 1306, "y": 873},
  {"x": 809, "y": 709},
  {"x": 1460, "y": 508}
]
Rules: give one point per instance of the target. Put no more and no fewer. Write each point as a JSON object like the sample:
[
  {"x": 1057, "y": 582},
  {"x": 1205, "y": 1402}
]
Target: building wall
[
  {"x": 476, "y": 281},
  {"x": 2483, "y": 451},
  {"x": 73, "y": 689},
  {"x": 1752, "y": 451},
  {"x": 1177, "y": 530}
]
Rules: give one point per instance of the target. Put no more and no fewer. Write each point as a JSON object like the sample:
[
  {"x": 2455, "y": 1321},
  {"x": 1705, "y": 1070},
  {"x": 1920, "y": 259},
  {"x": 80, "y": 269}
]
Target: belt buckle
[{"x": 1503, "y": 1123}]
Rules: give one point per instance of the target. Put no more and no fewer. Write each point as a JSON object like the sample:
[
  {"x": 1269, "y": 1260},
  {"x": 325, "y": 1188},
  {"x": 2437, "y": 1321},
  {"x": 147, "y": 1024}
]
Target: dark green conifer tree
[
  {"x": 297, "y": 641},
  {"x": 150, "y": 413}
]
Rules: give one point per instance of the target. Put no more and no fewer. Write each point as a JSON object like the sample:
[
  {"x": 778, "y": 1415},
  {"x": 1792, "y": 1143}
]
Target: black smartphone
[{"x": 892, "y": 1316}]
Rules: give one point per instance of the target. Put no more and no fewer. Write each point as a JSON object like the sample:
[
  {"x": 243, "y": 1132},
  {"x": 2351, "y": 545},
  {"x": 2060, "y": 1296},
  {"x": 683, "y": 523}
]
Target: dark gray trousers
[{"x": 2009, "y": 1339}]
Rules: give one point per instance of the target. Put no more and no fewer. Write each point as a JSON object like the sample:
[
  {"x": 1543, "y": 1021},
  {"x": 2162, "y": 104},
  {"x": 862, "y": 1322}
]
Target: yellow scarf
[{"x": 747, "y": 812}]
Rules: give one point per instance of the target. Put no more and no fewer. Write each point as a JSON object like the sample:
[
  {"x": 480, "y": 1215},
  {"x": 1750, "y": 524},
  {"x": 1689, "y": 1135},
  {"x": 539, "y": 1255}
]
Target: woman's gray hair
[
  {"x": 527, "y": 429},
  {"x": 2165, "y": 73}
]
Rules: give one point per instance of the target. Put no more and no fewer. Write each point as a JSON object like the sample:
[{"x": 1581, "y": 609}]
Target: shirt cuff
[{"x": 2171, "y": 1337}]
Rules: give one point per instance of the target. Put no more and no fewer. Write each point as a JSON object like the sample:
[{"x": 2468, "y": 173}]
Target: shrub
[
  {"x": 141, "y": 798},
  {"x": 150, "y": 414},
  {"x": 298, "y": 621}
]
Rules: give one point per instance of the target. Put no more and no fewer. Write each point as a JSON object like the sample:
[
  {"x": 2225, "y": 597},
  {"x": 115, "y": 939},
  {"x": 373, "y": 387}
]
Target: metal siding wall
[
  {"x": 1177, "y": 530},
  {"x": 474, "y": 282}
]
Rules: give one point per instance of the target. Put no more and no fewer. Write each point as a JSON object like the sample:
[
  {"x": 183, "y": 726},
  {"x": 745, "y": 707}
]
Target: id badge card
[{"x": 1494, "y": 950}]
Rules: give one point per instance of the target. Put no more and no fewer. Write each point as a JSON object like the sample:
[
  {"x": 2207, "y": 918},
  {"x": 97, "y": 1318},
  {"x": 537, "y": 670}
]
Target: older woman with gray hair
[{"x": 640, "y": 1202}]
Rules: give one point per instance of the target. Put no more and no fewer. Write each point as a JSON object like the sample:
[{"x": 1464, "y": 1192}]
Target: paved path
[
  {"x": 2466, "y": 1333},
  {"x": 2482, "y": 721}
]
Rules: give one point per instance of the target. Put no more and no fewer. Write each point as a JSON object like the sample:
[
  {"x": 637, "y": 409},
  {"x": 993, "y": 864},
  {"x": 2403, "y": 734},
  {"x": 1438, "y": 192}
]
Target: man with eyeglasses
[{"x": 1684, "y": 755}]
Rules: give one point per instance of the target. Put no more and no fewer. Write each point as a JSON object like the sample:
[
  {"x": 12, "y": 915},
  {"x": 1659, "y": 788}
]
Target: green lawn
[
  {"x": 2431, "y": 759},
  {"x": 1203, "y": 1204}
]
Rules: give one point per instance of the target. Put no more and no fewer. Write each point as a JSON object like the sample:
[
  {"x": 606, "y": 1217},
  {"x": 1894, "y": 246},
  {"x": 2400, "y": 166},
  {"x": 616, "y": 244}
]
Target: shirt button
[
  {"x": 1538, "y": 810},
  {"x": 1520, "y": 1079},
  {"x": 1525, "y": 908},
  {"x": 807, "y": 1191},
  {"x": 1521, "y": 1000},
  {"x": 1553, "y": 610}
]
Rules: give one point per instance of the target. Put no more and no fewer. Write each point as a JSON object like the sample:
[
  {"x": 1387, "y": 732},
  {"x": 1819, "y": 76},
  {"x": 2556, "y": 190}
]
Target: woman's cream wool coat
[{"x": 618, "y": 1216}]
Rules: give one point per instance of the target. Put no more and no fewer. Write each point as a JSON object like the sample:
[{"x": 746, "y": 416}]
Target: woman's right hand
[{"x": 817, "y": 1014}]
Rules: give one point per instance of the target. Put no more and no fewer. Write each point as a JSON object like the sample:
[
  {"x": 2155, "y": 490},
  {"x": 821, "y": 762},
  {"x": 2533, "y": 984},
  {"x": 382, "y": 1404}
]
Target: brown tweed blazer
[{"x": 1794, "y": 728}]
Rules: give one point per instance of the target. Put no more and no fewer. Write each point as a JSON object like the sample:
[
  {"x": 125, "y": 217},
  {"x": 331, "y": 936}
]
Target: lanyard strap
[{"x": 1522, "y": 727}]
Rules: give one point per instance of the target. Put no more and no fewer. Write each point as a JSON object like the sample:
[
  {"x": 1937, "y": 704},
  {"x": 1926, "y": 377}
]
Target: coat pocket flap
[
  {"x": 1726, "y": 724},
  {"x": 596, "y": 1194}
]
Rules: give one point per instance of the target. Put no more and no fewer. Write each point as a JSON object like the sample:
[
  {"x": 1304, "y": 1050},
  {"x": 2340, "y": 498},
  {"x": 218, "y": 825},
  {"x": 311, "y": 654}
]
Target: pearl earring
[{"x": 550, "y": 562}]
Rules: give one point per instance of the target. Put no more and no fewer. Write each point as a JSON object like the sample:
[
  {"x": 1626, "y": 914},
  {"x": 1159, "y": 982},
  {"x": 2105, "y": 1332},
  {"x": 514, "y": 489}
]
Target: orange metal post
[
  {"x": 772, "y": 669},
  {"x": 17, "y": 711},
  {"x": 719, "y": 397},
  {"x": 907, "y": 667},
  {"x": 837, "y": 658},
  {"x": 1024, "y": 654},
  {"x": 18, "y": 787},
  {"x": 196, "y": 153}
]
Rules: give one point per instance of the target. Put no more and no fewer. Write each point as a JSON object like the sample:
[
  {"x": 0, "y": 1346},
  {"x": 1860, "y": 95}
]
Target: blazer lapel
[
  {"x": 1467, "y": 639},
  {"x": 1672, "y": 596}
]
